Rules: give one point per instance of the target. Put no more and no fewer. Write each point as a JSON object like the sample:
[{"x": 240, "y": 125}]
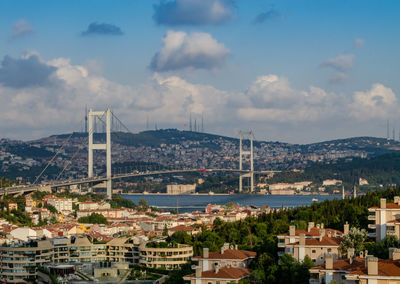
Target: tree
[
  {"x": 94, "y": 218},
  {"x": 180, "y": 237},
  {"x": 354, "y": 239},
  {"x": 143, "y": 205},
  {"x": 165, "y": 231}
]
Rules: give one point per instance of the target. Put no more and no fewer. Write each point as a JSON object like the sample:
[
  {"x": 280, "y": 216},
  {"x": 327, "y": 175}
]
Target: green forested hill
[{"x": 383, "y": 169}]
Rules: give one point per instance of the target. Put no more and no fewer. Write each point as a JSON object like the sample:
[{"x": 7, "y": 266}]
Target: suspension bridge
[{"x": 107, "y": 118}]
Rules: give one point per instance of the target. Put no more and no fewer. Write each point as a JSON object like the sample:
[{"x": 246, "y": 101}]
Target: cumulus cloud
[
  {"x": 273, "y": 99},
  {"x": 378, "y": 102},
  {"x": 21, "y": 28},
  {"x": 57, "y": 104},
  {"x": 193, "y": 12},
  {"x": 342, "y": 62},
  {"x": 181, "y": 50},
  {"x": 25, "y": 72},
  {"x": 49, "y": 108},
  {"x": 102, "y": 29},
  {"x": 358, "y": 43},
  {"x": 265, "y": 16}
]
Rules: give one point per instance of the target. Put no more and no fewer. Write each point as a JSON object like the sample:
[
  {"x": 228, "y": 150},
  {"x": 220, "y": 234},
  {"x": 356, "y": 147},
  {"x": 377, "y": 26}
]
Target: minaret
[
  {"x": 195, "y": 127},
  {"x": 190, "y": 122},
  {"x": 343, "y": 192},
  {"x": 355, "y": 192}
]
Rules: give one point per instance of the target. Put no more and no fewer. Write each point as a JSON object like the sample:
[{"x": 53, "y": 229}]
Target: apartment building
[
  {"x": 386, "y": 219},
  {"x": 63, "y": 205},
  {"x": 170, "y": 257},
  {"x": 363, "y": 269},
  {"x": 227, "y": 266},
  {"x": 315, "y": 242},
  {"x": 94, "y": 205},
  {"x": 19, "y": 261},
  {"x": 124, "y": 250}
]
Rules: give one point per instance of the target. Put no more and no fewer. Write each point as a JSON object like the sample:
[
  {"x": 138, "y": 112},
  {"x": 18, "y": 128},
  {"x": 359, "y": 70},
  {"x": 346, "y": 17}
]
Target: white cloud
[
  {"x": 378, "y": 102},
  {"x": 21, "y": 28},
  {"x": 273, "y": 99},
  {"x": 342, "y": 62},
  {"x": 196, "y": 50},
  {"x": 270, "y": 101}
]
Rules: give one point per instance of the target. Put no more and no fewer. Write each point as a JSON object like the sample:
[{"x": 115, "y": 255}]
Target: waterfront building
[
  {"x": 181, "y": 188},
  {"x": 315, "y": 242},
  {"x": 386, "y": 220}
]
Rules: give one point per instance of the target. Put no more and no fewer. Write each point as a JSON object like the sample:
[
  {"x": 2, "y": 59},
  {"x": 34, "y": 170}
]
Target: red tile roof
[
  {"x": 230, "y": 254},
  {"x": 386, "y": 267},
  {"x": 224, "y": 273},
  {"x": 326, "y": 241},
  {"x": 314, "y": 232}
]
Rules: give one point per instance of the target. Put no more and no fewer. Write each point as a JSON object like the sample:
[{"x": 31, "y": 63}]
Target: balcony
[
  {"x": 314, "y": 281},
  {"x": 372, "y": 235},
  {"x": 372, "y": 226},
  {"x": 371, "y": 217}
]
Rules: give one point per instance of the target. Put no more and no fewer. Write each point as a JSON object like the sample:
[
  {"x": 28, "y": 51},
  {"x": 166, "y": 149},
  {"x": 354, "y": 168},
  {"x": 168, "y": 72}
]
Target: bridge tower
[
  {"x": 107, "y": 146},
  {"x": 249, "y": 135}
]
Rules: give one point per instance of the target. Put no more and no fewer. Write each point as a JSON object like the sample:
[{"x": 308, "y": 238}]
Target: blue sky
[{"x": 297, "y": 71}]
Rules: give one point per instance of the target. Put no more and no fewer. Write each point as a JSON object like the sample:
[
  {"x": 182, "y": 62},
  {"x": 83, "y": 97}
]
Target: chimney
[
  {"x": 361, "y": 254},
  {"x": 329, "y": 234},
  {"x": 321, "y": 234},
  {"x": 236, "y": 247},
  {"x": 302, "y": 240},
  {"x": 310, "y": 226},
  {"x": 318, "y": 226},
  {"x": 397, "y": 200},
  {"x": 292, "y": 231},
  {"x": 205, "y": 253},
  {"x": 383, "y": 203},
  {"x": 216, "y": 269},
  {"x": 322, "y": 225},
  {"x": 350, "y": 253},
  {"x": 394, "y": 253},
  {"x": 372, "y": 265},
  {"x": 198, "y": 271},
  {"x": 328, "y": 261},
  {"x": 346, "y": 228}
]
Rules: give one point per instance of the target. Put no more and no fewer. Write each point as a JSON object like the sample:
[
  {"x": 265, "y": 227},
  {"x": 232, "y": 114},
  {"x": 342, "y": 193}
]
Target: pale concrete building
[
  {"x": 364, "y": 269},
  {"x": 94, "y": 205},
  {"x": 315, "y": 242},
  {"x": 63, "y": 205},
  {"x": 171, "y": 257},
  {"x": 227, "y": 266},
  {"x": 181, "y": 188},
  {"x": 386, "y": 219},
  {"x": 20, "y": 261}
]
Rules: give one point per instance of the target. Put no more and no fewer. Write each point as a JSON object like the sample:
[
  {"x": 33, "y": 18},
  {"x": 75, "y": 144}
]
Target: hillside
[
  {"x": 378, "y": 170},
  {"x": 171, "y": 148}
]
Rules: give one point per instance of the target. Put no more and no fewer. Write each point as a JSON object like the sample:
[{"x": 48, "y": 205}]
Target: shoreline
[{"x": 224, "y": 194}]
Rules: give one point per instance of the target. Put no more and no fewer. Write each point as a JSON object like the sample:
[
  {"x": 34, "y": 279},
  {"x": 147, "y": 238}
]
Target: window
[{"x": 313, "y": 251}]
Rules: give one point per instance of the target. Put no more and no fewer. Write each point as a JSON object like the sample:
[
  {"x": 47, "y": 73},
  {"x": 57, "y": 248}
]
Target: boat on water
[{"x": 314, "y": 200}]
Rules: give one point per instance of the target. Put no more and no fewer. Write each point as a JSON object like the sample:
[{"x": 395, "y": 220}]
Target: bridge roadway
[{"x": 21, "y": 189}]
